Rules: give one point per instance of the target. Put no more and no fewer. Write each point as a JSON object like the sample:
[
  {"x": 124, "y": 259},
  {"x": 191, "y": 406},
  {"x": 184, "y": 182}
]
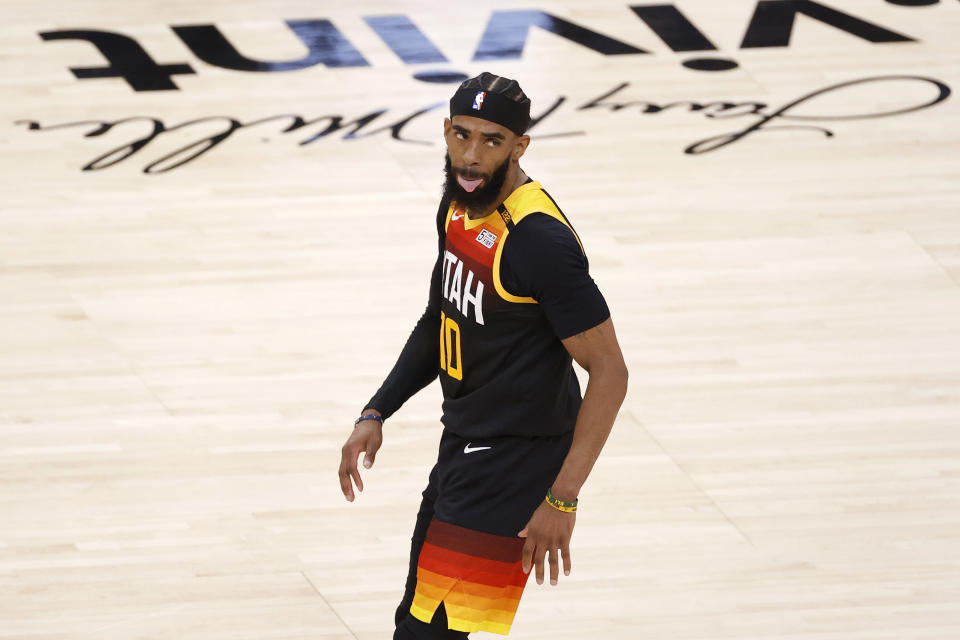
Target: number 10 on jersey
[{"x": 450, "y": 360}]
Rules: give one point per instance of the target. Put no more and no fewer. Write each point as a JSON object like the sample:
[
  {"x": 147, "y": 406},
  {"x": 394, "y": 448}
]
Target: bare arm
[
  {"x": 598, "y": 352},
  {"x": 550, "y": 530}
]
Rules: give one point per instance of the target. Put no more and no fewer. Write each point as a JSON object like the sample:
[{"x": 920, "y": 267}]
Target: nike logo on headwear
[{"x": 469, "y": 449}]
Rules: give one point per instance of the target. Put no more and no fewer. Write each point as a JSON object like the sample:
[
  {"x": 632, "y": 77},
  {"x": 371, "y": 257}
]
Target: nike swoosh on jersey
[
  {"x": 469, "y": 449},
  {"x": 456, "y": 217}
]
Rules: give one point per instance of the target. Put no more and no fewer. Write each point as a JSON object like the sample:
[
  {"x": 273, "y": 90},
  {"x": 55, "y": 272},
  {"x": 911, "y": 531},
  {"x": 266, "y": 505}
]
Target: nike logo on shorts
[{"x": 469, "y": 449}]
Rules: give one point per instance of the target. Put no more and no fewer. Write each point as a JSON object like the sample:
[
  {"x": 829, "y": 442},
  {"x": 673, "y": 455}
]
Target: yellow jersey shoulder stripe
[{"x": 525, "y": 200}]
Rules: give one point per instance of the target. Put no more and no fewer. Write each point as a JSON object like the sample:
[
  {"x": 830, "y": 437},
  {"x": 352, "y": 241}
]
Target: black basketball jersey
[
  {"x": 503, "y": 369},
  {"x": 492, "y": 328}
]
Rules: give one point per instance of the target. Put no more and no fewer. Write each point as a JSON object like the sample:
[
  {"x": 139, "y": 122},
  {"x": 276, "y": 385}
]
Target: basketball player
[{"x": 511, "y": 304}]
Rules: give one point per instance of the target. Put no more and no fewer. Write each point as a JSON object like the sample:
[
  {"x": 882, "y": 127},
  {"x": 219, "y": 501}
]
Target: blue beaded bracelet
[{"x": 368, "y": 416}]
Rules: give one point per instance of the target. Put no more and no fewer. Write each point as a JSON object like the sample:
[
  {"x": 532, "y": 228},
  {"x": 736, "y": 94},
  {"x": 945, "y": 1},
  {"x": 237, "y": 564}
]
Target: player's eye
[
  {"x": 460, "y": 135},
  {"x": 493, "y": 142}
]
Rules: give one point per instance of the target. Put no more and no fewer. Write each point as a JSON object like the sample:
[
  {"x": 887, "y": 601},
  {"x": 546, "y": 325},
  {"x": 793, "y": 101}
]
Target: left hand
[{"x": 548, "y": 532}]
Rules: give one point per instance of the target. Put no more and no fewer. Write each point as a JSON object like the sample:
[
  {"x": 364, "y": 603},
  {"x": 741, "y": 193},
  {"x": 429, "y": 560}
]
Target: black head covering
[{"x": 493, "y": 98}]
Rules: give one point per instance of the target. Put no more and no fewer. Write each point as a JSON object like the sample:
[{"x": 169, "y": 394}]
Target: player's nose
[{"x": 471, "y": 155}]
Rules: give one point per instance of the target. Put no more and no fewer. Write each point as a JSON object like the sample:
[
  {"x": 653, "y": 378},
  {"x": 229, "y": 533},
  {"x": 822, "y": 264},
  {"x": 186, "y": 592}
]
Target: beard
[{"x": 481, "y": 199}]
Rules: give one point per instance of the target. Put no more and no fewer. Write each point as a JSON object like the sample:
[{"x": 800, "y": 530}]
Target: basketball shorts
[{"x": 484, "y": 493}]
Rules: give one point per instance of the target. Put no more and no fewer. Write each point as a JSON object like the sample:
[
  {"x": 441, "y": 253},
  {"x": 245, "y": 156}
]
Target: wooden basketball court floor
[{"x": 184, "y": 343}]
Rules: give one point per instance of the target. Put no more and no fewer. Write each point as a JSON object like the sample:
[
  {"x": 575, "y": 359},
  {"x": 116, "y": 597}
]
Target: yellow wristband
[{"x": 560, "y": 505}]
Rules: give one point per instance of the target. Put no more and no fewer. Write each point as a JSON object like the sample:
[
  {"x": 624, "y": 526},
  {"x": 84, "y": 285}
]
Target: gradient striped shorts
[{"x": 485, "y": 493}]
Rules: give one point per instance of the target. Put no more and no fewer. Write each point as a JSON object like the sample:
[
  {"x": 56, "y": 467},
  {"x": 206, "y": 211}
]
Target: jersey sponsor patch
[{"x": 486, "y": 238}]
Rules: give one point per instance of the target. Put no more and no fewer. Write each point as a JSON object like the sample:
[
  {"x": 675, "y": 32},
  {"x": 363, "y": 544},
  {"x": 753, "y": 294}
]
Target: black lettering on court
[
  {"x": 765, "y": 118},
  {"x": 671, "y": 26},
  {"x": 127, "y": 58},
  {"x": 772, "y": 23},
  {"x": 507, "y": 31},
  {"x": 325, "y": 44},
  {"x": 405, "y": 39}
]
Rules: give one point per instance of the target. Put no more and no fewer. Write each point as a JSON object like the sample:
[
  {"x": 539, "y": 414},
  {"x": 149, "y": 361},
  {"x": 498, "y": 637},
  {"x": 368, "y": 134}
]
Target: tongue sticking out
[{"x": 469, "y": 185}]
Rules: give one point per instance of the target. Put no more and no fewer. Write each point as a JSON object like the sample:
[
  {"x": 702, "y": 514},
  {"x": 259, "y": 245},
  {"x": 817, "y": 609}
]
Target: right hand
[{"x": 367, "y": 437}]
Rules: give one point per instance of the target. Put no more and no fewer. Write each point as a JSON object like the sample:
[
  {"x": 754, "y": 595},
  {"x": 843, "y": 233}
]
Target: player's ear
[
  {"x": 520, "y": 147},
  {"x": 447, "y": 126}
]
